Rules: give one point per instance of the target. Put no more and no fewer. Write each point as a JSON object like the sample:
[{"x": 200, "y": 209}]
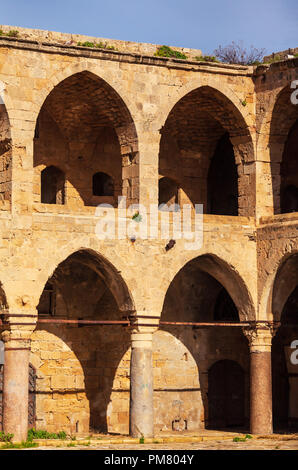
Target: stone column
[
  {"x": 141, "y": 385},
  {"x": 260, "y": 339},
  {"x": 15, "y": 384}
]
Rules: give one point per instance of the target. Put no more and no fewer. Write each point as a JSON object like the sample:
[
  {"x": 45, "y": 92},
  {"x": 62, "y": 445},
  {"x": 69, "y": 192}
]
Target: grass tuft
[{"x": 43, "y": 434}]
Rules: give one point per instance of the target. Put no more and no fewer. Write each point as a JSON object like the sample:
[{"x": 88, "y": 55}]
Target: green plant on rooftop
[
  {"x": 272, "y": 60},
  {"x": 99, "y": 45},
  {"x": 86, "y": 44},
  {"x": 166, "y": 51},
  {"x": 206, "y": 58},
  {"x": 13, "y": 33}
]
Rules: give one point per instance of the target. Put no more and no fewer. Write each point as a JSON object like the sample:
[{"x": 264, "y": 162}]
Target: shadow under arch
[
  {"x": 204, "y": 290},
  {"x": 5, "y": 153},
  {"x": 189, "y": 140},
  {"x": 85, "y": 127},
  {"x": 226, "y": 408},
  {"x": 285, "y": 281},
  {"x": 85, "y": 367},
  {"x": 283, "y": 142},
  {"x": 3, "y": 309},
  {"x": 231, "y": 280},
  {"x": 284, "y": 369}
]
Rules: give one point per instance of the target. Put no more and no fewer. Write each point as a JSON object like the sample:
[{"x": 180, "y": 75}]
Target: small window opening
[
  {"x": 102, "y": 184},
  {"x": 168, "y": 194},
  {"x": 52, "y": 186},
  {"x": 289, "y": 199},
  {"x": 46, "y": 304}
]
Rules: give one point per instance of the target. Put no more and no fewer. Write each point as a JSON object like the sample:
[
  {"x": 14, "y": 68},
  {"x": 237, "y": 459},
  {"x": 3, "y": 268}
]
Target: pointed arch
[
  {"x": 225, "y": 276},
  {"x": 189, "y": 139},
  {"x": 84, "y": 125},
  {"x": 283, "y": 142},
  {"x": 106, "y": 271}
]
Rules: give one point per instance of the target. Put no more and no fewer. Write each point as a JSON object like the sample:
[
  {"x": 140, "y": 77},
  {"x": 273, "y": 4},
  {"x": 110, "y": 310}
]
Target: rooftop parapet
[{"x": 68, "y": 39}]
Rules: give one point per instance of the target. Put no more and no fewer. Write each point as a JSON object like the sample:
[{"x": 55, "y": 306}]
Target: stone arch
[
  {"x": 270, "y": 286},
  {"x": 193, "y": 296},
  {"x": 93, "y": 130},
  {"x": 214, "y": 83},
  {"x": 78, "y": 67},
  {"x": 3, "y": 309},
  {"x": 85, "y": 286},
  {"x": 284, "y": 283},
  {"x": 284, "y": 298},
  {"x": 189, "y": 137},
  {"x": 226, "y": 275},
  {"x": 283, "y": 139},
  {"x": 107, "y": 272}
]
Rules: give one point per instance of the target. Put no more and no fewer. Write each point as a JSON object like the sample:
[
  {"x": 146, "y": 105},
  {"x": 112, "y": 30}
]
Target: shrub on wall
[
  {"x": 206, "y": 58},
  {"x": 166, "y": 51},
  {"x": 100, "y": 45}
]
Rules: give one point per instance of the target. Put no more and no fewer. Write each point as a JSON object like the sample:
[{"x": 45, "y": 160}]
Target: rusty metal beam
[
  {"x": 174, "y": 323},
  {"x": 82, "y": 322},
  {"x": 65, "y": 321}
]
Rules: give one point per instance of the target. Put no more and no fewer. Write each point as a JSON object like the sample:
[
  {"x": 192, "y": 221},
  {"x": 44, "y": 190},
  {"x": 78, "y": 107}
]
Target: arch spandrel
[
  {"x": 229, "y": 278},
  {"x": 106, "y": 270}
]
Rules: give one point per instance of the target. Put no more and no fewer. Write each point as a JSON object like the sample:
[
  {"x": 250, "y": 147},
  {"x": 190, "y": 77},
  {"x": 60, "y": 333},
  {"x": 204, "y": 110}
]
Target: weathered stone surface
[{"x": 139, "y": 119}]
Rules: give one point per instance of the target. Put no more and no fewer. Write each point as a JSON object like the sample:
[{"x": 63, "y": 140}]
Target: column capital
[
  {"x": 144, "y": 323},
  {"x": 18, "y": 326},
  {"x": 260, "y": 336},
  {"x": 16, "y": 340},
  {"x": 141, "y": 339}
]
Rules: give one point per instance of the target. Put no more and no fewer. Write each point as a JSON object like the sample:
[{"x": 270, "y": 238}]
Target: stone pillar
[
  {"x": 141, "y": 385},
  {"x": 15, "y": 385},
  {"x": 260, "y": 380}
]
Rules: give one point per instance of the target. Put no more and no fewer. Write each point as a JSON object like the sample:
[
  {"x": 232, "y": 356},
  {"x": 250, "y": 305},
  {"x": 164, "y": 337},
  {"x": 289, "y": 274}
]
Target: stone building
[{"x": 142, "y": 335}]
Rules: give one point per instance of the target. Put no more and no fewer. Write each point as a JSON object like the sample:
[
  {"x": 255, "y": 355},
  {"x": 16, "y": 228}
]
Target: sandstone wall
[{"x": 146, "y": 101}]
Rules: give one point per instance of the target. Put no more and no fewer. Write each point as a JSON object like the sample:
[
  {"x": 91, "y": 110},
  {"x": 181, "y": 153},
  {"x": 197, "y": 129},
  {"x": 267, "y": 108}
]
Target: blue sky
[{"x": 269, "y": 24}]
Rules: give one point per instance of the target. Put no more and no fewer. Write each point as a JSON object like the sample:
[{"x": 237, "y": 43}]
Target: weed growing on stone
[
  {"x": 242, "y": 439},
  {"x": 43, "y": 434},
  {"x": 99, "y": 45},
  {"x": 13, "y": 33},
  {"x": 166, "y": 51},
  {"x": 87, "y": 444},
  {"x": 5, "y": 437},
  {"x": 206, "y": 58},
  {"x": 71, "y": 444},
  {"x": 22, "y": 445}
]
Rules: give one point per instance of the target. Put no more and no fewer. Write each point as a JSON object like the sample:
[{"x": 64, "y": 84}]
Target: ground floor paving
[{"x": 205, "y": 440}]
